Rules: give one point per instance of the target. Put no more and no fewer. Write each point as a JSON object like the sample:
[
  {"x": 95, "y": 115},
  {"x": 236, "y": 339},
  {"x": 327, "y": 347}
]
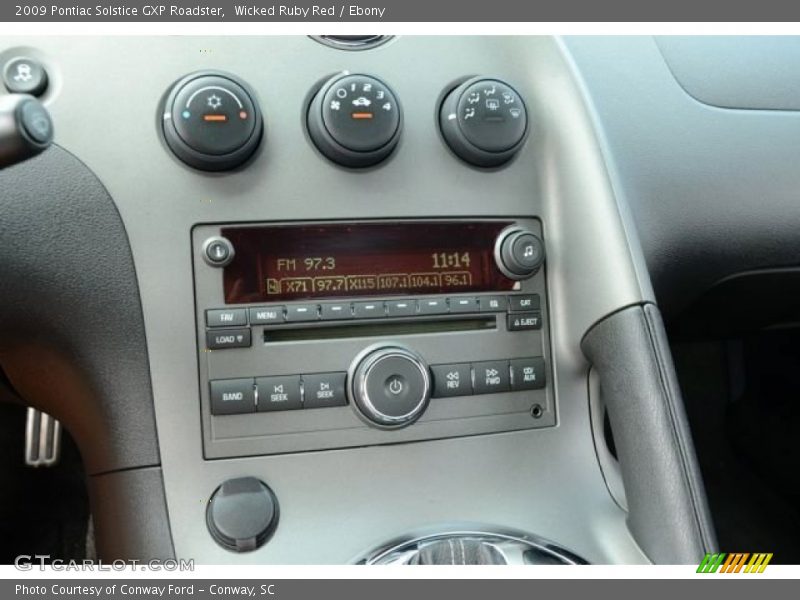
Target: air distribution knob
[
  {"x": 355, "y": 120},
  {"x": 211, "y": 121},
  {"x": 484, "y": 121},
  {"x": 518, "y": 252},
  {"x": 390, "y": 386}
]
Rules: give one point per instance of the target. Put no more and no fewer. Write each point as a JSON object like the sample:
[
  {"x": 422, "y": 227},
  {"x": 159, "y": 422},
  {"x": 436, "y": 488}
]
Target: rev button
[
  {"x": 452, "y": 380},
  {"x": 228, "y": 338}
]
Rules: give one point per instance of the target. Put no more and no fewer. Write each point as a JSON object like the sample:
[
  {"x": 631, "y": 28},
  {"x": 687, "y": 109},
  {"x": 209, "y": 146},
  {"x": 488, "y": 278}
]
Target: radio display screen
[{"x": 333, "y": 260}]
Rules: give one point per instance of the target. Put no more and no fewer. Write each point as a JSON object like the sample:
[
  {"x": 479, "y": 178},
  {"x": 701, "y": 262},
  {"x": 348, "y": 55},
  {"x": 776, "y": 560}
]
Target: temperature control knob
[
  {"x": 484, "y": 121},
  {"x": 211, "y": 121},
  {"x": 355, "y": 120},
  {"x": 519, "y": 253},
  {"x": 390, "y": 386}
]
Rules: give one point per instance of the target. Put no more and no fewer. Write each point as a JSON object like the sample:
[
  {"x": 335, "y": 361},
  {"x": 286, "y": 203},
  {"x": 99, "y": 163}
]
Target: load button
[{"x": 228, "y": 338}]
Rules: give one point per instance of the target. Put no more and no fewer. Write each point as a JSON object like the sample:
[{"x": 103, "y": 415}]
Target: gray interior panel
[
  {"x": 656, "y": 454},
  {"x": 72, "y": 337},
  {"x": 338, "y": 503},
  {"x": 754, "y": 72},
  {"x": 712, "y": 191}
]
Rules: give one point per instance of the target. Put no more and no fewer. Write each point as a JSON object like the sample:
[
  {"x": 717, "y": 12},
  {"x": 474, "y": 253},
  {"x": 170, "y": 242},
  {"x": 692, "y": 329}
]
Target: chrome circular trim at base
[
  {"x": 516, "y": 548},
  {"x": 352, "y": 42}
]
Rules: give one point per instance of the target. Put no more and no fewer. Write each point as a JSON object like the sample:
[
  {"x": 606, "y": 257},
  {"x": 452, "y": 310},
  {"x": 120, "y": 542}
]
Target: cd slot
[{"x": 378, "y": 328}]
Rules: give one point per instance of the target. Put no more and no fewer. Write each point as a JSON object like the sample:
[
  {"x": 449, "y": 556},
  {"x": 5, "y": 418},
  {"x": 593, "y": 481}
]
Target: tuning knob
[
  {"x": 390, "y": 386},
  {"x": 519, "y": 253}
]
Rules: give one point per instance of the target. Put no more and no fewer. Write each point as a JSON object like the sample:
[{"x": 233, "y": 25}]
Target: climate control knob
[
  {"x": 211, "y": 121},
  {"x": 355, "y": 120},
  {"x": 390, "y": 386},
  {"x": 519, "y": 253},
  {"x": 484, "y": 121}
]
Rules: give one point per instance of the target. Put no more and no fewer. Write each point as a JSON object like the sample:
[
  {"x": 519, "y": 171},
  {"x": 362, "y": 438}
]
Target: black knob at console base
[{"x": 242, "y": 514}]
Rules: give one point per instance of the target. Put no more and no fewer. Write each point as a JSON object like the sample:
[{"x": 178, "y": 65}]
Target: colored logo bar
[{"x": 735, "y": 562}]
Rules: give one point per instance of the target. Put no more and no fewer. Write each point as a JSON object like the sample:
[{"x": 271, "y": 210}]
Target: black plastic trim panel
[{"x": 668, "y": 512}]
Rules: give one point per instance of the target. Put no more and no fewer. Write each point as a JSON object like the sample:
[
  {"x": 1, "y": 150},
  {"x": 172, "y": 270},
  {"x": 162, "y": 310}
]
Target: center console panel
[{"x": 288, "y": 316}]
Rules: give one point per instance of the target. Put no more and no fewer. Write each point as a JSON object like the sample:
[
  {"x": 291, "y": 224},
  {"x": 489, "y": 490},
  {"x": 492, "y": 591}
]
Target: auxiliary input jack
[{"x": 537, "y": 411}]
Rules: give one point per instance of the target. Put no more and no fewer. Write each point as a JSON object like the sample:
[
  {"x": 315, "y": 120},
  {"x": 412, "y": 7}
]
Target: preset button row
[
  {"x": 371, "y": 309},
  {"x": 283, "y": 392},
  {"x": 488, "y": 377}
]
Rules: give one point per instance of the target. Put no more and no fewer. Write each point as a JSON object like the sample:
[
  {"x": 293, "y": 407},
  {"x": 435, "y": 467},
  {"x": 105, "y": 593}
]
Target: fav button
[
  {"x": 278, "y": 393},
  {"x": 228, "y": 338},
  {"x": 492, "y": 376},
  {"x": 321, "y": 390},
  {"x": 232, "y": 396},
  {"x": 222, "y": 317}
]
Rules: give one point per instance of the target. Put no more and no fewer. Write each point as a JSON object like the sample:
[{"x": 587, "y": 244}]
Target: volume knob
[
  {"x": 519, "y": 253},
  {"x": 390, "y": 386}
]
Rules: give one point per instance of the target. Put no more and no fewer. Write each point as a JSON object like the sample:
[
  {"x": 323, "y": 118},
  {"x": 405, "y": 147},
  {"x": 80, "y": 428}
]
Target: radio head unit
[{"x": 322, "y": 335}]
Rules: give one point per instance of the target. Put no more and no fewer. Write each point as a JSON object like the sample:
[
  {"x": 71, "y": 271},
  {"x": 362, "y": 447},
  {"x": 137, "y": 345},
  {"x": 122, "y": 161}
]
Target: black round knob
[
  {"x": 519, "y": 253},
  {"x": 23, "y": 75},
  {"x": 484, "y": 121},
  {"x": 242, "y": 514},
  {"x": 218, "y": 251},
  {"x": 390, "y": 386},
  {"x": 355, "y": 120},
  {"x": 211, "y": 121}
]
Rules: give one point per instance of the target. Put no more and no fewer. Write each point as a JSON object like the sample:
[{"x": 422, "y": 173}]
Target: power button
[
  {"x": 390, "y": 386},
  {"x": 396, "y": 385}
]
